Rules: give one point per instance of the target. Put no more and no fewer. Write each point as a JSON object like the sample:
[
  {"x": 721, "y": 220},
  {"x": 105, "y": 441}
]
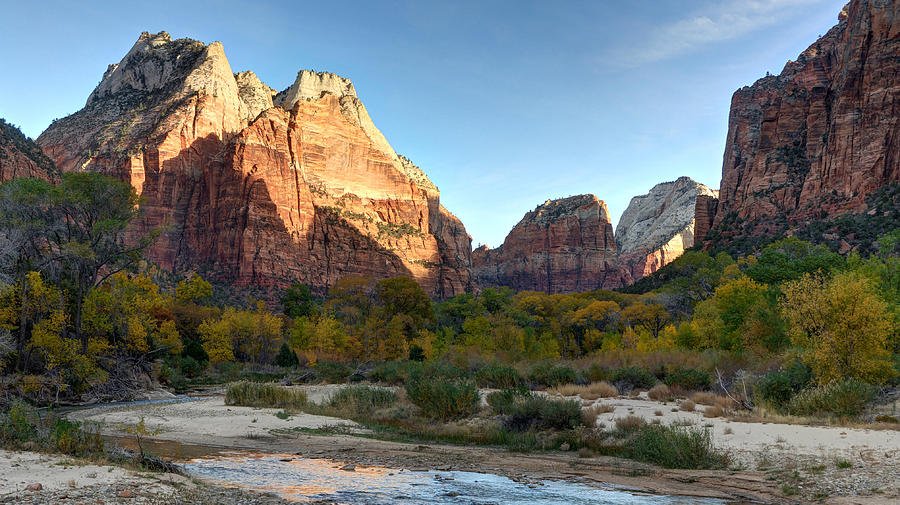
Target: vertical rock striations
[
  {"x": 258, "y": 187},
  {"x": 657, "y": 227},
  {"x": 561, "y": 246},
  {"x": 704, "y": 213},
  {"x": 816, "y": 140}
]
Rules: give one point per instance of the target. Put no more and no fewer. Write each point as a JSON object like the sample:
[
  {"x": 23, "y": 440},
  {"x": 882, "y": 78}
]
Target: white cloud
[{"x": 715, "y": 23}]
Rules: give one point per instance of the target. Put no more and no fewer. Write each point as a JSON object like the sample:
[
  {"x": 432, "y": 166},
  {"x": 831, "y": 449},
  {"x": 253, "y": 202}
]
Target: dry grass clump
[
  {"x": 658, "y": 413},
  {"x": 630, "y": 424},
  {"x": 592, "y": 413},
  {"x": 712, "y": 399},
  {"x": 660, "y": 393},
  {"x": 687, "y": 406},
  {"x": 713, "y": 411},
  {"x": 591, "y": 391}
]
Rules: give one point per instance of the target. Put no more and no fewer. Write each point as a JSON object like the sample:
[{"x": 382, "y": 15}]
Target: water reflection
[{"x": 310, "y": 480}]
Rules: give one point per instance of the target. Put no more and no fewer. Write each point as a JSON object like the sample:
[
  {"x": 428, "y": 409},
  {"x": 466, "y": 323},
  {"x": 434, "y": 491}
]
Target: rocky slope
[
  {"x": 258, "y": 187},
  {"x": 561, "y": 246},
  {"x": 657, "y": 227},
  {"x": 815, "y": 141},
  {"x": 21, "y": 157}
]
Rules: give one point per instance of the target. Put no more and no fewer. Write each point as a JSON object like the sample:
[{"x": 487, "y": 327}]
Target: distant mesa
[{"x": 568, "y": 244}]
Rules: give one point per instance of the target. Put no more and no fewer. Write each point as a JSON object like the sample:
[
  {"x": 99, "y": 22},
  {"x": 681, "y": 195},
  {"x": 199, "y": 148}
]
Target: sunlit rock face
[
  {"x": 658, "y": 227},
  {"x": 561, "y": 246},
  {"x": 814, "y": 141},
  {"x": 258, "y": 187},
  {"x": 21, "y": 157}
]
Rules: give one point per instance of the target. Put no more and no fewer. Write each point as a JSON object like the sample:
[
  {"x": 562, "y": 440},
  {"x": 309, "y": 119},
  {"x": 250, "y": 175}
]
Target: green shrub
[
  {"x": 393, "y": 372},
  {"x": 501, "y": 401},
  {"x": 633, "y": 377},
  {"x": 536, "y": 412},
  {"x": 777, "y": 388},
  {"x": 499, "y": 376},
  {"x": 22, "y": 428},
  {"x": 847, "y": 398},
  {"x": 442, "y": 398},
  {"x": 286, "y": 356},
  {"x": 675, "y": 447},
  {"x": 68, "y": 437},
  {"x": 20, "y": 422},
  {"x": 690, "y": 379},
  {"x": 550, "y": 375},
  {"x": 331, "y": 372},
  {"x": 361, "y": 401},
  {"x": 254, "y": 394},
  {"x": 597, "y": 373}
]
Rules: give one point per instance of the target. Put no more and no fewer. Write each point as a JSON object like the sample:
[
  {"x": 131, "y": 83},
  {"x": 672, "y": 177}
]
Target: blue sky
[{"x": 503, "y": 103}]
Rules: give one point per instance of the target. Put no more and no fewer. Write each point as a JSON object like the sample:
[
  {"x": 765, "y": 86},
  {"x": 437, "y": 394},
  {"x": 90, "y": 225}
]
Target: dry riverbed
[
  {"x": 33, "y": 478},
  {"x": 773, "y": 463}
]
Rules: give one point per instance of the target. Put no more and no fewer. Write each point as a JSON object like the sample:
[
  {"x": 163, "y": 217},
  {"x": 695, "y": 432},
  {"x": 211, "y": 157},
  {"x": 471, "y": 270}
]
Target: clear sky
[{"x": 503, "y": 103}]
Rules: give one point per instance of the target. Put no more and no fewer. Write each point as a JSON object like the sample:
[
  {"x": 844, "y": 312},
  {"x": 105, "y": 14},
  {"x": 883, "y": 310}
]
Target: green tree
[
  {"x": 298, "y": 301},
  {"x": 790, "y": 258}
]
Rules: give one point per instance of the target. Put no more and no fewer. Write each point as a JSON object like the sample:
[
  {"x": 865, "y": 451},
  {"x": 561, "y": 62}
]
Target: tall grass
[
  {"x": 675, "y": 447},
  {"x": 443, "y": 398},
  {"x": 254, "y": 394},
  {"x": 360, "y": 401},
  {"x": 846, "y": 399}
]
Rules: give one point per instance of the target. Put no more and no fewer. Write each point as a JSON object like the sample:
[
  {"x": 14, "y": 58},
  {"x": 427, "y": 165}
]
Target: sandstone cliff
[
  {"x": 816, "y": 140},
  {"x": 258, "y": 187},
  {"x": 561, "y": 246},
  {"x": 21, "y": 157},
  {"x": 657, "y": 227}
]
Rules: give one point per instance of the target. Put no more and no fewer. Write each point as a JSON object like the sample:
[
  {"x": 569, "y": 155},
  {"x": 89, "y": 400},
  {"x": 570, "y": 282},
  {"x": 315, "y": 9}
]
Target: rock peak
[
  {"x": 311, "y": 84},
  {"x": 552, "y": 209},
  {"x": 653, "y": 218}
]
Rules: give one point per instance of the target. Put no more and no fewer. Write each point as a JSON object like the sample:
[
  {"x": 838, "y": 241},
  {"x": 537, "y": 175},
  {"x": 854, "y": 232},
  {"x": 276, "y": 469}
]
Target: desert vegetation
[{"x": 793, "y": 329}]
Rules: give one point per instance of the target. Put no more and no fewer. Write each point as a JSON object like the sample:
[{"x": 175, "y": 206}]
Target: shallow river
[{"x": 311, "y": 480}]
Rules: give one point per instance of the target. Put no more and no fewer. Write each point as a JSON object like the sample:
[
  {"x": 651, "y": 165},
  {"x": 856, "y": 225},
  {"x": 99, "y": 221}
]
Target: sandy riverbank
[
  {"x": 773, "y": 462},
  {"x": 30, "y": 478}
]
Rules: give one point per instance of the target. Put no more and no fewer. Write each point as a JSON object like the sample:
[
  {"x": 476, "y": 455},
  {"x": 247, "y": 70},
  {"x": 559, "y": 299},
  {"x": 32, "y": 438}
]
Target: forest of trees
[{"x": 80, "y": 310}]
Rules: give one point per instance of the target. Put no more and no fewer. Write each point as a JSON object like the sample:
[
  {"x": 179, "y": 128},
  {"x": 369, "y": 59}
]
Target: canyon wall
[
  {"x": 816, "y": 140},
  {"x": 256, "y": 187}
]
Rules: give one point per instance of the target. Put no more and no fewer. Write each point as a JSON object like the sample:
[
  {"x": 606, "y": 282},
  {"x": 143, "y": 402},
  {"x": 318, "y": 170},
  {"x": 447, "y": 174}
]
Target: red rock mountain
[
  {"x": 561, "y": 246},
  {"x": 21, "y": 157},
  {"x": 816, "y": 140},
  {"x": 258, "y": 187}
]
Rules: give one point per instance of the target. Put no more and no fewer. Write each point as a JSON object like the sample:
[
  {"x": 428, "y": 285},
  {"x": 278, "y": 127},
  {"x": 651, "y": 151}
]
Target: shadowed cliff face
[
  {"x": 21, "y": 157},
  {"x": 260, "y": 188},
  {"x": 816, "y": 140}
]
